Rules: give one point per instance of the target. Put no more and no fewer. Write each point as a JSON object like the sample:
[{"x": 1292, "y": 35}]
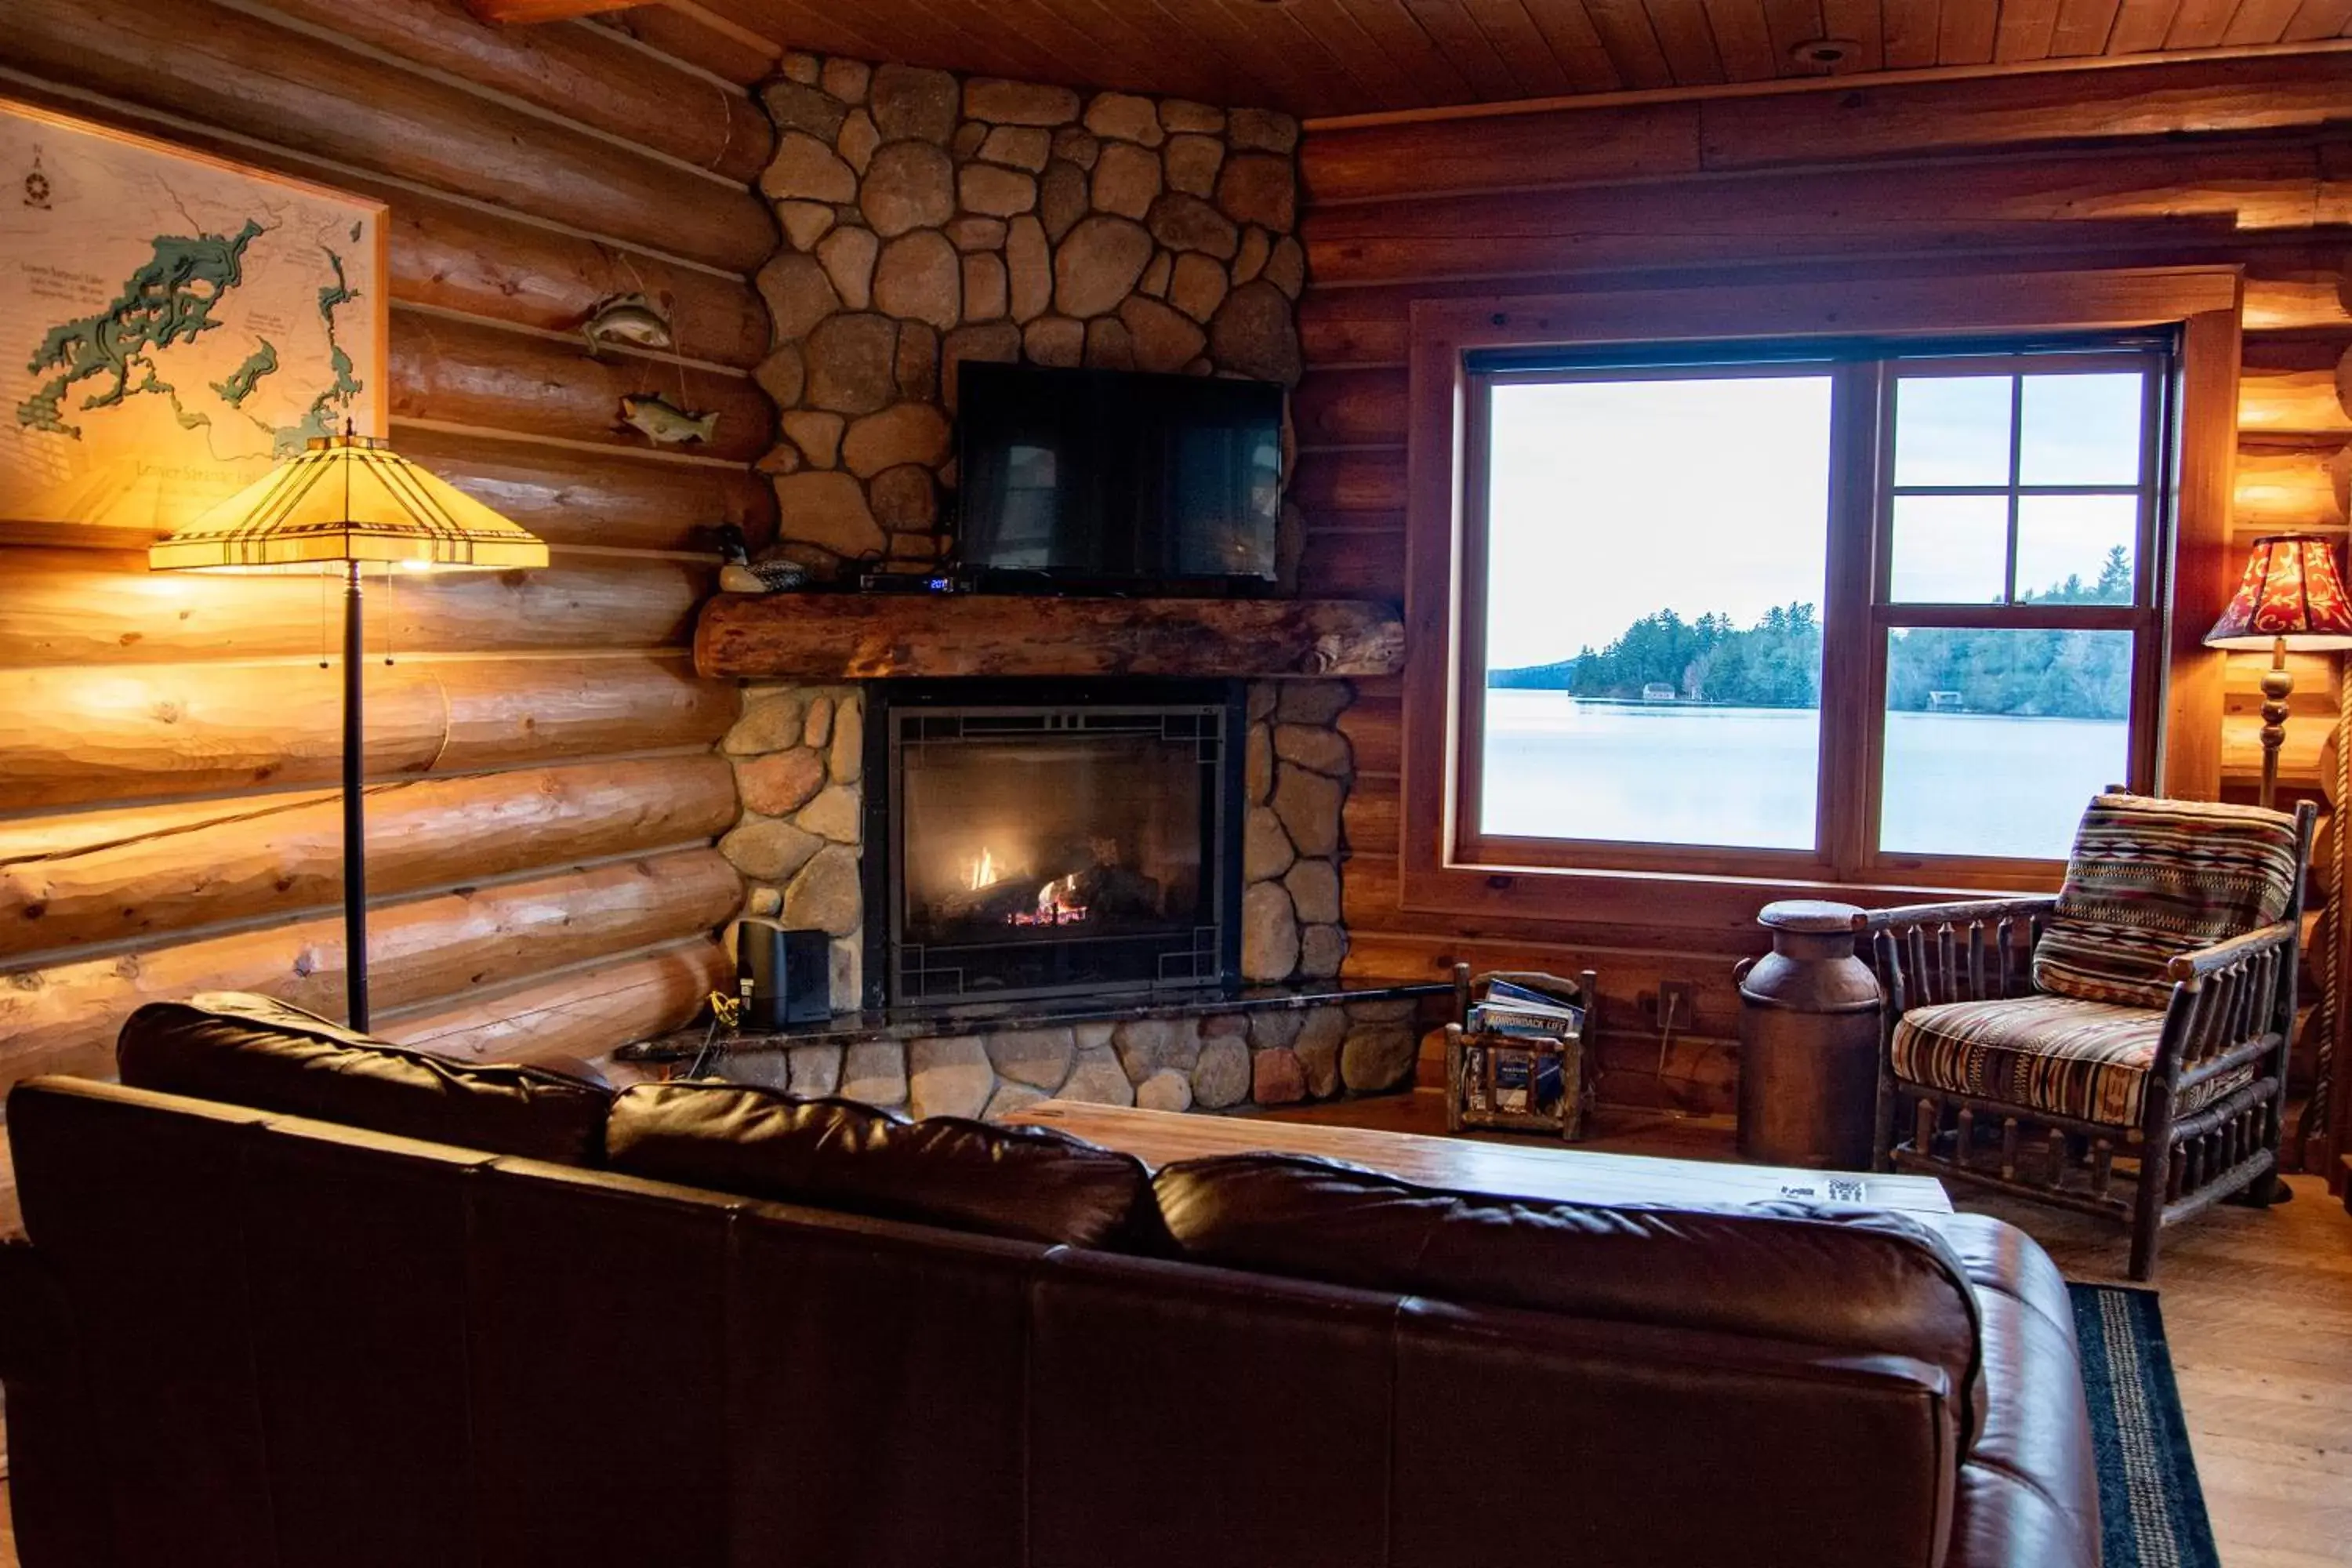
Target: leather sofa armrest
[
  {"x": 35, "y": 1322},
  {"x": 57, "y": 1490}
]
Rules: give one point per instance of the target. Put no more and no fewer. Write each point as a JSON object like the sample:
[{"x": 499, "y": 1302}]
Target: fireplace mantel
[{"x": 871, "y": 636}]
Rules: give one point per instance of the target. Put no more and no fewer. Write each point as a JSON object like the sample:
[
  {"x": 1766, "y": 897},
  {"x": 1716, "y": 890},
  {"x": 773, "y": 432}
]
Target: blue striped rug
[{"x": 2151, "y": 1510}]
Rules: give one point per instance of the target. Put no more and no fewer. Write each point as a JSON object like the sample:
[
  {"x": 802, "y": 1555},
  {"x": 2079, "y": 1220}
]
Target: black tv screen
[{"x": 1113, "y": 478}]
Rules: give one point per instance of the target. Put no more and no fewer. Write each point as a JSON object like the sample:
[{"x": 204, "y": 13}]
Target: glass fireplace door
[{"x": 1052, "y": 850}]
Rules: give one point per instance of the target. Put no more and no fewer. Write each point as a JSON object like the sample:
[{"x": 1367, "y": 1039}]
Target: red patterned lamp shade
[{"x": 2292, "y": 590}]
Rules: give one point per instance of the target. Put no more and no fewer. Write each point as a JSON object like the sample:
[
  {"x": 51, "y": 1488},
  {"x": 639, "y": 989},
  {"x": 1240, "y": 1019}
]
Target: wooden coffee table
[{"x": 1495, "y": 1170}]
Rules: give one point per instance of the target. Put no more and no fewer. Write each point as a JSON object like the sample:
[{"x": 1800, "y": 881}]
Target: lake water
[{"x": 1959, "y": 783}]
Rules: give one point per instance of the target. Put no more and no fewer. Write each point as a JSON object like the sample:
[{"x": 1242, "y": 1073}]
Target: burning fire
[
  {"x": 1058, "y": 902},
  {"x": 1056, "y": 905}
]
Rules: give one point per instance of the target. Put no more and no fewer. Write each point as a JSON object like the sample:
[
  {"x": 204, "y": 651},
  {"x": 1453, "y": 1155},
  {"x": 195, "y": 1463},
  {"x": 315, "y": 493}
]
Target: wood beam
[
  {"x": 846, "y": 637},
  {"x": 521, "y": 13}
]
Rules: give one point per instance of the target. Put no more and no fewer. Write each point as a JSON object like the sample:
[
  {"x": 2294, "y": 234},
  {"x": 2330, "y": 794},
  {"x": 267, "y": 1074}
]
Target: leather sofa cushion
[
  {"x": 1027, "y": 1183},
  {"x": 1847, "y": 1280},
  {"x": 240, "y": 1049}
]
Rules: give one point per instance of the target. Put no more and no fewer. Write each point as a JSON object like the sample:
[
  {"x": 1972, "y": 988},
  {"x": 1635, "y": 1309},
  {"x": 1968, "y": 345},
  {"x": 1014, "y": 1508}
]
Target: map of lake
[{"x": 170, "y": 326}]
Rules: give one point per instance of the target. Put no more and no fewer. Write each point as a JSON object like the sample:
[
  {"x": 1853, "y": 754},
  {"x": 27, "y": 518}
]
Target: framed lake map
[{"x": 170, "y": 325}]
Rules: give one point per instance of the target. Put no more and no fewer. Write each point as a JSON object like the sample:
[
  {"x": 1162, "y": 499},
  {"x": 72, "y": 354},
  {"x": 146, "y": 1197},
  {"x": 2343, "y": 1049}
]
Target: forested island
[{"x": 1777, "y": 662}]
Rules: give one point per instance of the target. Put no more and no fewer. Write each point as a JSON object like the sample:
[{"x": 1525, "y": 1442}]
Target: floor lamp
[
  {"x": 347, "y": 502},
  {"x": 2292, "y": 600}
]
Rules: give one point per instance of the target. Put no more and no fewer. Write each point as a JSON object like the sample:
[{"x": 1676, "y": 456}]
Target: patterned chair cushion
[
  {"x": 2151, "y": 879},
  {"x": 2088, "y": 1060}
]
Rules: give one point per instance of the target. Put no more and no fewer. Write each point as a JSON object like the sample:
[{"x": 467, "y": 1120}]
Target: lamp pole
[{"x": 355, "y": 974}]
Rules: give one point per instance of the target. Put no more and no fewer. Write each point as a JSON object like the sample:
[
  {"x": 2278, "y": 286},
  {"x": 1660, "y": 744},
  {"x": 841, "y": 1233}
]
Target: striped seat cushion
[
  {"x": 2151, "y": 879},
  {"x": 2088, "y": 1060}
]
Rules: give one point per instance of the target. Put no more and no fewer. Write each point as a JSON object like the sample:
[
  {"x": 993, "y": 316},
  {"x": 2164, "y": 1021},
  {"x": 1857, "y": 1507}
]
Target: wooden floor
[{"x": 2257, "y": 1304}]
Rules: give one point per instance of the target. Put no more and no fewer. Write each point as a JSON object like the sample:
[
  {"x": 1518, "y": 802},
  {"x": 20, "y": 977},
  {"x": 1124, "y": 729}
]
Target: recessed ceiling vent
[{"x": 1826, "y": 55}]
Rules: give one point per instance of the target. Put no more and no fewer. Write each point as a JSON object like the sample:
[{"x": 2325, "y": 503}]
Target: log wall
[
  {"x": 2246, "y": 161},
  {"x": 544, "y": 796}
]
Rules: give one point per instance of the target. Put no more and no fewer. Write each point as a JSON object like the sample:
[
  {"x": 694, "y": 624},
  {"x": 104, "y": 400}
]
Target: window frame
[{"x": 1444, "y": 870}]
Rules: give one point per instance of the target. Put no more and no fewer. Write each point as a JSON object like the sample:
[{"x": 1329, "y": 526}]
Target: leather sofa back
[
  {"x": 1030, "y": 1183},
  {"x": 296, "y": 1343},
  {"x": 244, "y": 1049},
  {"x": 1757, "y": 1271}
]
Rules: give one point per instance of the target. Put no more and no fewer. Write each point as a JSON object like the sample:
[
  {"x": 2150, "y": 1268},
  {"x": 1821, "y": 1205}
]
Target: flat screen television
[{"x": 1114, "y": 480}]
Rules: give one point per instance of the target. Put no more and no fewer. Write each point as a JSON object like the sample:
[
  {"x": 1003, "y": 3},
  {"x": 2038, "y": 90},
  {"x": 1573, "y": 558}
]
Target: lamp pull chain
[
  {"x": 390, "y": 614},
  {"x": 324, "y": 645}
]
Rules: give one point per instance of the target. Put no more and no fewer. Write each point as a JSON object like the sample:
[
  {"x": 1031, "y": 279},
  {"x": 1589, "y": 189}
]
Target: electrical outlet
[{"x": 1677, "y": 1003}]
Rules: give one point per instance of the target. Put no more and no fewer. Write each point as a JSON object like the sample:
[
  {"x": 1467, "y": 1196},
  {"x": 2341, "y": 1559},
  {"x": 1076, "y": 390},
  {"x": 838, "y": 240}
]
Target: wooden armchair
[{"x": 2119, "y": 1049}]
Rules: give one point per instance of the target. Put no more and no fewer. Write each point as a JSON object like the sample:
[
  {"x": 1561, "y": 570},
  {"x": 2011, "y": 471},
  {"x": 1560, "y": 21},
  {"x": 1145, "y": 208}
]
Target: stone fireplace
[
  {"x": 809, "y": 759},
  {"x": 1036, "y": 895},
  {"x": 1031, "y": 839}
]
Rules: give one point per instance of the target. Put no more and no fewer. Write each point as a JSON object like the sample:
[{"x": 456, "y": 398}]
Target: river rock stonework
[
  {"x": 1223, "y": 1061},
  {"x": 799, "y": 752},
  {"x": 931, "y": 219}
]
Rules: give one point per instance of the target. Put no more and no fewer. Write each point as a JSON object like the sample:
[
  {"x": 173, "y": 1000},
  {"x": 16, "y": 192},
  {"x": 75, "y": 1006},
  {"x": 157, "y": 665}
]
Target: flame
[
  {"x": 981, "y": 872},
  {"x": 1057, "y": 905},
  {"x": 1053, "y": 897}
]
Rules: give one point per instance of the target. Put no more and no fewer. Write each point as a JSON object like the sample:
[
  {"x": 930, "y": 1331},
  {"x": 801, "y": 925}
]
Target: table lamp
[
  {"x": 2291, "y": 599},
  {"x": 349, "y": 501}
]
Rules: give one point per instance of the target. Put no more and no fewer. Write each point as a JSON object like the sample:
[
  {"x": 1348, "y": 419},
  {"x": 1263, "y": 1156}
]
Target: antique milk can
[{"x": 1809, "y": 1033}]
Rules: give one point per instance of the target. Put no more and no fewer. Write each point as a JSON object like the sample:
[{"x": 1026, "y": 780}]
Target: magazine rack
[{"x": 1521, "y": 1083}]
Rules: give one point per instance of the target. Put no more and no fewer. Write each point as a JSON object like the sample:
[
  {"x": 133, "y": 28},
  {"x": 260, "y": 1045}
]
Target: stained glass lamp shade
[
  {"x": 350, "y": 501},
  {"x": 2291, "y": 600}
]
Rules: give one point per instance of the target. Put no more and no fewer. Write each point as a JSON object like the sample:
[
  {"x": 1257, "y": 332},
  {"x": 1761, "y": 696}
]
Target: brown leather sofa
[{"x": 262, "y": 1322}]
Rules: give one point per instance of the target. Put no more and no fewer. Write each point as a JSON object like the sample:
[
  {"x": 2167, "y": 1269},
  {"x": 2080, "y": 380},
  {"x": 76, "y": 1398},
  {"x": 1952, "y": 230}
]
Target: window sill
[{"x": 1680, "y": 897}]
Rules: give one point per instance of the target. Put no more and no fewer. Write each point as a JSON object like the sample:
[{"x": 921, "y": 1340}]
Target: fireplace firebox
[{"x": 1029, "y": 839}]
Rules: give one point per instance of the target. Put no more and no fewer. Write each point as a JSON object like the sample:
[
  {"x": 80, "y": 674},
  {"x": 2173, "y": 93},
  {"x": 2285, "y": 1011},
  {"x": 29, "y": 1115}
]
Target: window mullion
[{"x": 1850, "y": 671}]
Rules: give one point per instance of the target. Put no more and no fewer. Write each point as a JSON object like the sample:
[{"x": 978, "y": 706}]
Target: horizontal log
[
  {"x": 2298, "y": 291},
  {"x": 456, "y": 255},
  {"x": 574, "y": 1019},
  {"x": 1354, "y": 327},
  {"x": 1367, "y": 564},
  {"x": 1372, "y": 817},
  {"x": 2290, "y": 486},
  {"x": 2292, "y": 284},
  {"x": 1352, "y": 408},
  {"x": 585, "y": 74},
  {"x": 725, "y": 53},
  {"x": 1500, "y": 152},
  {"x": 80, "y": 736},
  {"x": 445, "y": 948},
  {"x": 104, "y": 607},
  {"x": 840, "y": 637},
  {"x": 1351, "y": 482},
  {"x": 1573, "y": 144},
  {"x": 613, "y": 499},
  {"x": 123, "y": 876},
  {"x": 471, "y": 373},
  {"x": 2295, "y": 385},
  {"x": 1955, "y": 207},
  {"x": 243, "y": 73},
  {"x": 1374, "y": 726}
]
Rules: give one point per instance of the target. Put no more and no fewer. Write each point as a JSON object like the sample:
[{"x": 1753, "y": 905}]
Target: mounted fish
[
  {"x": 663, "y": 421},
  {"x": 629, "y": 319}
]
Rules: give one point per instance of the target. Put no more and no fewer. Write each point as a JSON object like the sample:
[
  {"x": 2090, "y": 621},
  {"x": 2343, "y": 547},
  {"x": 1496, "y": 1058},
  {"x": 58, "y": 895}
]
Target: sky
[
  {"x": 1613, "y": 499},
  {"x": 1610, "y": 500}
]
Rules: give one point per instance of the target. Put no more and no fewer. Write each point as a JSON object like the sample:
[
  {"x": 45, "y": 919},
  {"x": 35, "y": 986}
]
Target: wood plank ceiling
[{"x": 1322, "y": 57}]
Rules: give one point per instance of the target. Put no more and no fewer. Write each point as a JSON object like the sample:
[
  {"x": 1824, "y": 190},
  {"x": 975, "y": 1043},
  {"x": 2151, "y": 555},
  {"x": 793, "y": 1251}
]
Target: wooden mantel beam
[{"x": 859, "y": 637}]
